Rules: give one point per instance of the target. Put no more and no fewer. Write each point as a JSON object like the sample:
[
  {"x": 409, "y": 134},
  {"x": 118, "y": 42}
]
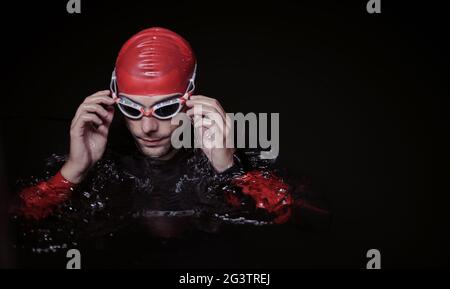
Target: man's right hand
[{"x": 88, "y": 135}]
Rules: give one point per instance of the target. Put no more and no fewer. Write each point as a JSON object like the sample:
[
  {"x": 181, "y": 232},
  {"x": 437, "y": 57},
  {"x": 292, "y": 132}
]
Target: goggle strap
[
  {"x": 113, "y": 84},
  {"x": 192, "y": 80}
]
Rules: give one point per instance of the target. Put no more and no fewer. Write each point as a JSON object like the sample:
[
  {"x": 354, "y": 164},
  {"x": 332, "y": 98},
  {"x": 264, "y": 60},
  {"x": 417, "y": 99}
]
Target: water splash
[{"x": 240, "y": 220}]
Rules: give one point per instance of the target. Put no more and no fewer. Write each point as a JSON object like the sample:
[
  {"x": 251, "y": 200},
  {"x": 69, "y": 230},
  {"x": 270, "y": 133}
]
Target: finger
[
  {"x": 205, "y": 100},
  {"x": 110, "y": 117},
  {"x": 89, "y": 118},
  {"x": 84, "y": 120},
  {"x": 94, "y": 99},
  {"x": 207, "y": 113},
  {"x": 210, "y": 138},
  {"x": 212, "y": 121},
  {"x": 100, "y": 99},
  {"x": 98, "y": 109},
  {"x": 204, "y": 128},
  {"x": 94, "y": 108},
  {"x": 203, "y": 122},
  {"x": 103, "y": 129},
  {"x": 204, "y": 110},
  {"x": 202, "y": 97},
  {"x": 101, "y": 92}
]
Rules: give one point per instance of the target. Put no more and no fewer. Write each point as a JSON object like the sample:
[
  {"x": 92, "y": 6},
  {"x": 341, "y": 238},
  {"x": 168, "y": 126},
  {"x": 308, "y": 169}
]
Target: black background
[{"x": 362, "y": 101}]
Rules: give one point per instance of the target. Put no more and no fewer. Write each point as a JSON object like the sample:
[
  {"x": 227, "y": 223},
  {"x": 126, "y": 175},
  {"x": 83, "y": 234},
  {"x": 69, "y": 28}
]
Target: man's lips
[{"x": 152, "y": 142}]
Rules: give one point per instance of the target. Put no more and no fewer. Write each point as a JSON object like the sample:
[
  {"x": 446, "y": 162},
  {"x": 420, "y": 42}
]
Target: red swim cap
[{"x": 155, "y": 61}]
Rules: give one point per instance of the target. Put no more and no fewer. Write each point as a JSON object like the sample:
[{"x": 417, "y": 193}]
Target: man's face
[{"x": 152, "y": 136}]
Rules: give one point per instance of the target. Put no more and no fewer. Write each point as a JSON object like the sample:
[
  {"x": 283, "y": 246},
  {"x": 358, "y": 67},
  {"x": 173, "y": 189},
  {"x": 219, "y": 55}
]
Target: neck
[{"x": 168, "y": 155}]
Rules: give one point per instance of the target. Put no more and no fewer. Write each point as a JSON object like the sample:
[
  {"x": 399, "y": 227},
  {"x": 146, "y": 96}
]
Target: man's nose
[{"x": 149, "y": 124}]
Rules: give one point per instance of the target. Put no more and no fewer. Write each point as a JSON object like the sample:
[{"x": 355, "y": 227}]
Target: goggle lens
[
  {"x": 167, "y": 111},
  {"x": 129, "y": 111}
]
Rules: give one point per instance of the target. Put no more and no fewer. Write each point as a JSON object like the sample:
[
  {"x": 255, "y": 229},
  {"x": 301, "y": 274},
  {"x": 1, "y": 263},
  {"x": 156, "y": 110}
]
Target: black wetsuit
[{"x": 134, "y": 211}]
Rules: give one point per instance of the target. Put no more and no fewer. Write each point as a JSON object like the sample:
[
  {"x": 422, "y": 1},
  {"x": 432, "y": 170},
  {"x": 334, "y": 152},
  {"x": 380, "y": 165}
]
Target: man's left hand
[{"x": 213, "y": 127}]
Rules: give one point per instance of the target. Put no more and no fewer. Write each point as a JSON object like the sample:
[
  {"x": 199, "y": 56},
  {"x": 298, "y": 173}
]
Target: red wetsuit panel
[{"x": 39, "y": 201}]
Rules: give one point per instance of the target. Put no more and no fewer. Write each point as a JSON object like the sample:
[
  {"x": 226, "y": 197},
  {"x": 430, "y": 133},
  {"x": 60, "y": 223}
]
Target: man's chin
[{"x": 155, "y": 152}]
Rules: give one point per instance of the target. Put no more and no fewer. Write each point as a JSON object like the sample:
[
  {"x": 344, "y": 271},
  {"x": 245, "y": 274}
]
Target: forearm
[
  {"x": 72, "y": 173},
  {"x": 38, "y": 201}
]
